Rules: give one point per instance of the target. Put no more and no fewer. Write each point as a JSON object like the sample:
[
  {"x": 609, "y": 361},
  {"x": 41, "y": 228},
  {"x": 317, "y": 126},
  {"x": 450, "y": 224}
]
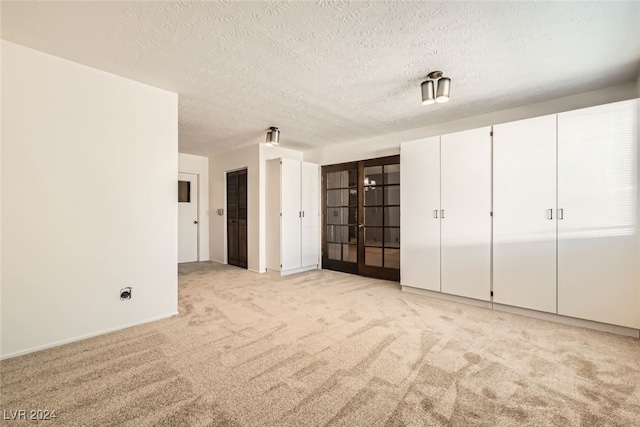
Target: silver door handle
[
  {"x": 560, "y": 213},
  {"x": 360, "y": 225},
  {"x": 435, "y": 213},
  {"x": 549, "y": 213},
  {"x": 442, "y": 213}
]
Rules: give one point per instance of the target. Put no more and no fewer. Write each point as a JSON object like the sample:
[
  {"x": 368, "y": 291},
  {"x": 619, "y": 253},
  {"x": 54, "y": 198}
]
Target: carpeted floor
[{"x": 325, "y": 348}]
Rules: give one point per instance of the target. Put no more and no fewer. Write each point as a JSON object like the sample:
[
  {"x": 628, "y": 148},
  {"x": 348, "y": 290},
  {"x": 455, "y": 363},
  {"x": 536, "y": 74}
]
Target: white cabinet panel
[
  {"x": 466, "y": 204},
  {"x": 598, "y": 246},
  {"x": 292, "y": 215},
  {"x": 290, "y": 232},
  {"x": 310, "y": 212},
  {"x": 419, "y": 225},
  {"x": 524, "y": 213}
]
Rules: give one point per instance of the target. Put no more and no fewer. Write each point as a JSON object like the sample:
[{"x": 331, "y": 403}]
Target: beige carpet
[{"x": 325, "y": 348}]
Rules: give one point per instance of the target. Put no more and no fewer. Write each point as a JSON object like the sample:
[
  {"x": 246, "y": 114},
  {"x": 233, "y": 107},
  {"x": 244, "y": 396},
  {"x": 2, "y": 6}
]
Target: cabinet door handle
[
  {"x": 549, "y": 213},
  {"x": 442, "y": 213},
  {"x": 435, "y": 213},
  {"x": 302, "y": 214},
  {"x": 299, "y": 214},
  {"x": 560, "y": 213}
]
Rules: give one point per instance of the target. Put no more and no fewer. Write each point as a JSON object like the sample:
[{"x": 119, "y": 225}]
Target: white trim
[
  {"x": 558, "y": 318},
  {"x": 84, "y": 337},
  {"x": 296, "y": 270},
  {"x": 447, "y": 297},
  {"x": 572, "y": 321}
]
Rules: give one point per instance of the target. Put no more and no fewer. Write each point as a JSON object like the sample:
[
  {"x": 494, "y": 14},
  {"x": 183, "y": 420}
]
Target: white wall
[
  {"x": 387, "y": 145},
  {"x": 267, "y": 153},
  {"x": 89, "y": 166},
  {"x": 219, "y": 165},
  {"x": 254, "y": 159},
  {"x": 188, "y": 163}
]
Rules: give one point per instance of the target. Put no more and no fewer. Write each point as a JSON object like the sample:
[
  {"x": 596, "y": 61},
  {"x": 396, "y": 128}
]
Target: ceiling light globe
[
  {"x": 427, "y": 92},
  {"x": 273, "y": 137},
  {"x": 442, "y": 94}
]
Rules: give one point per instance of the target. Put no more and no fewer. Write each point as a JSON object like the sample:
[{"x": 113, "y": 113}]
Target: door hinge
[{"x": 491, "y": 293}]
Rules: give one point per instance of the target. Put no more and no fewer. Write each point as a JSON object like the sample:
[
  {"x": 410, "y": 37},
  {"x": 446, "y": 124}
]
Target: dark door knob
[{"x": 195, "y": 222}]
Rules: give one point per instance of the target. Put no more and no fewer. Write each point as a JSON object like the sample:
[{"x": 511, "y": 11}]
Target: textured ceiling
[{"x": 331, "y": 72}]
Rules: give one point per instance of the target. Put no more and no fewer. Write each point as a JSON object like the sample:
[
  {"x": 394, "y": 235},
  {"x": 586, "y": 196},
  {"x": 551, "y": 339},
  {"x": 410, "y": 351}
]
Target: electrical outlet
[{"x": 125, "y": 293}]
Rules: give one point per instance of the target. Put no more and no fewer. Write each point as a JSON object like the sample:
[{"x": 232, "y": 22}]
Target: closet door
[
  {"x": 524, "y": 213},
  {"x": 237, "y": 218},
  {"x": 466, "y": 213},
  {"x": 309, "y": 207},
  {"x": 420, "y": 214},
  {"x": 598, "y": 246},
  {"x": 290, "y": 227}
]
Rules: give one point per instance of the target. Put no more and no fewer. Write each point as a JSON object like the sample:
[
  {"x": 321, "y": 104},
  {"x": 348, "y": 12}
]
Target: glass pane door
[
  {"x": 381, "y": 218},
  {"x": 340, "y": 243},
  {"x": 361, "y": 218}
]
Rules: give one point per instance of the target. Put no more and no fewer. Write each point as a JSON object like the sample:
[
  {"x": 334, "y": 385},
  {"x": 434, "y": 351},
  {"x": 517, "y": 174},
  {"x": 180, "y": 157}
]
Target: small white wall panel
[
  {"x": 524, "y": 213},
  {"x": 310, "y": 179},
  {"x": 598, "y": 245},
  {"x": 290, "y": 228},
  {"x": 466, "y": 223},
  {"x": 419, "y": 225}
]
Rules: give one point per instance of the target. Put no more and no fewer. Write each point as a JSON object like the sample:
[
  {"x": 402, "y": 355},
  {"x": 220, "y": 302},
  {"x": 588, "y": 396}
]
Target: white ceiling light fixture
[
  {"x": 273, "y": 137},
  {"x": 436, "y": 88}
]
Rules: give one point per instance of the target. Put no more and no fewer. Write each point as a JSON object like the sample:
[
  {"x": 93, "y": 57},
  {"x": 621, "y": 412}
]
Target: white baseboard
[
  {"x": 572, "y": 321},
  {"x": 565, "y": 320},
  {"x": 298, "y": 270},
  {"x": 292, "y": 271},
  {"x": 447, "y": 297},
  {"x": 84, "y": 337}
]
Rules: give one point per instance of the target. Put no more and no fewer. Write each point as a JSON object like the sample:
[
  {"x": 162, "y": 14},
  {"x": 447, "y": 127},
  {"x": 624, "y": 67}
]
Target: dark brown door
[
  {"x": 361, "y": 217},
  {"x": 237, "y": 218}
]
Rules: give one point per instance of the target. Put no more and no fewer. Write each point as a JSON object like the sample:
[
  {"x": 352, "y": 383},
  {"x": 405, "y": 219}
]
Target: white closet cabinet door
[
  {"x": 524, "y": 213},
  {"x": 598, "y": 227},
  {"x": 419, "y": 225},
  {"x": 290, "y": 207},
  {"x": 309, "y": 206},
  {"x": 466, "y": 204}
]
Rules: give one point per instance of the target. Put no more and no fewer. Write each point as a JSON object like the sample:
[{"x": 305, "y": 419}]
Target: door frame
[{"x": 359, "y": 267}]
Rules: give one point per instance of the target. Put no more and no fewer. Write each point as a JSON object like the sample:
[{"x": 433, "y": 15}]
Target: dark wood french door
[
  {"x": 361, "y": 217},
  {"x": 237, "y": 218}
]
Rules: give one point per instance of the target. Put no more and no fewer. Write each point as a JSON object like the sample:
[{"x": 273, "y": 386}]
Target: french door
[{"x": 361, "y": 217}]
